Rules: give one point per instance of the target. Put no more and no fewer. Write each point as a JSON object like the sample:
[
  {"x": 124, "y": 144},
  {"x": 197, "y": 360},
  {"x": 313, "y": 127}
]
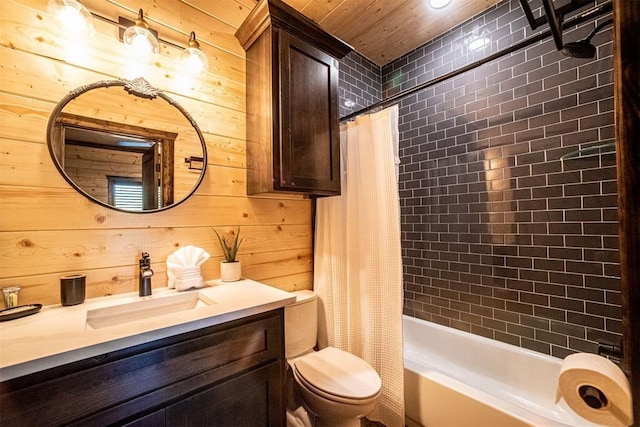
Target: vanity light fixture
[
  {"x": 439, "y": 4},
  {"x": 72, "y": 16},
  {"x": 143, "y": 40},
  {"x": 193, "y": 59}
]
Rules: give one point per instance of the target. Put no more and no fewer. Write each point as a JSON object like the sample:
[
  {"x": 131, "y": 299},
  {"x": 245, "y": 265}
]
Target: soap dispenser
[{"x": 144, "y": 276}]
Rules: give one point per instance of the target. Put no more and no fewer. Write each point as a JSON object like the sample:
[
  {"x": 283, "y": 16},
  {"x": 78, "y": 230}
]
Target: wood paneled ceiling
[{"x": 384, "y": 30}]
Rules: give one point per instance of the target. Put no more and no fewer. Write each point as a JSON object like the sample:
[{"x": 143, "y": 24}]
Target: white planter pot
[{"x": 230, "y": 271}]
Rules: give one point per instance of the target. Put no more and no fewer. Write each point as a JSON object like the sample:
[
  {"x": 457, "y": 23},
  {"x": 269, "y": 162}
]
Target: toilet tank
[{"x": 301, "y": 324}]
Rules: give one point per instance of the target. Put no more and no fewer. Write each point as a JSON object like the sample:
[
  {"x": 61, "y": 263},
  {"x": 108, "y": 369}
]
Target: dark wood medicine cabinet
[{"x": 293, "y": 137}]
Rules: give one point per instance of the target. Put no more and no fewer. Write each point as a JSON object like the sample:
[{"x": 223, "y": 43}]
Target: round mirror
[{"x": 127, "y": 146}]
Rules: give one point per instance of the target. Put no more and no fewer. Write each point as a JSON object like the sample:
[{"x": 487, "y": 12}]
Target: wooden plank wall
[{"x": 47, "y": 229}]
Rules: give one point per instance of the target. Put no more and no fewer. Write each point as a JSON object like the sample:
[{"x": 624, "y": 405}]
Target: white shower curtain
[{"x": 358, "y": 264}]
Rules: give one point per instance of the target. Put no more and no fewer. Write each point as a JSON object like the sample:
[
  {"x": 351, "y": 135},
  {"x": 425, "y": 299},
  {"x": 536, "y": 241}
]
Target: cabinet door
[
  {"x": 309, "y": 152},
  {"x": 251, "y": 400}
]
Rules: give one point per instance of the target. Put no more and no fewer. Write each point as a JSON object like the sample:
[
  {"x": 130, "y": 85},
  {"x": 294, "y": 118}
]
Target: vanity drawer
[
  {"x": 130, "y": 383},
  {"x": 247, "y": 400}
]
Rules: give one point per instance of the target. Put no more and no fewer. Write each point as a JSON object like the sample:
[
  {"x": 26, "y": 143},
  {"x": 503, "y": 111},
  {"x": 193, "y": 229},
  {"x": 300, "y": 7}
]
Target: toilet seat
[{"x": 338, "y": 375}]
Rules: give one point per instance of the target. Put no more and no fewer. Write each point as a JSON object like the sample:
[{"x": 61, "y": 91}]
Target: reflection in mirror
[{"x": 131, "y": 149}]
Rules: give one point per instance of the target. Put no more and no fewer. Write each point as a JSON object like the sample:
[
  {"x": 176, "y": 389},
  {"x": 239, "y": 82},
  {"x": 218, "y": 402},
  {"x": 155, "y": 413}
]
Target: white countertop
[{"x": 58, "y": 335}]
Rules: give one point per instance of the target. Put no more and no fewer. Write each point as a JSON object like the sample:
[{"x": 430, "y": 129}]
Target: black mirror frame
[{"x": 138, "y": 87}]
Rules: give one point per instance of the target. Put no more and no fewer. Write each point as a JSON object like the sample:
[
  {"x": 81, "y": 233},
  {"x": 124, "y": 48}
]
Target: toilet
[{"x": 338, "y": 387}]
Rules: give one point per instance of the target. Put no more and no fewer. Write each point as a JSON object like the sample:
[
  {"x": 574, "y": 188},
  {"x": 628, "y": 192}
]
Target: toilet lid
[{"x": 339, "y": 373}]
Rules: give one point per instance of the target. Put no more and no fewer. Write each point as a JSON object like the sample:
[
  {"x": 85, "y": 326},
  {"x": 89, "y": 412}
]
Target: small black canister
[{"x": 72, "y": 289}]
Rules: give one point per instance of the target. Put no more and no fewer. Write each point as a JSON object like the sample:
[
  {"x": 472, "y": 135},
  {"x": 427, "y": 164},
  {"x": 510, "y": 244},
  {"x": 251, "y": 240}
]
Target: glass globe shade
[
  {"x": 72, "y": 16},
  {"x": 194, "y": 60},
  {"x": 141, "y": 40}
]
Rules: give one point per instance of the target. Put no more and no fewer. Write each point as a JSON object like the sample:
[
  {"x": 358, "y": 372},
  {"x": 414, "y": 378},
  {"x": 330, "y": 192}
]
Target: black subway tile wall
[
  {"x": 360, "y": 83},
  {"x": 501, "y": 236}
]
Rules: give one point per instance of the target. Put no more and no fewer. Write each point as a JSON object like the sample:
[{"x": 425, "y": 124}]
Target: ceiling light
[
  {"x": 72, "y": 16},
  {"x": 140, "y": 38},
  {"x": 194, "y": 60},
  {"x": 439, "y": 4}
]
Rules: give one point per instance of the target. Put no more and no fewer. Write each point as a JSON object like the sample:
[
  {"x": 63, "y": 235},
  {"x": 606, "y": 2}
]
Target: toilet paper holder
[{"x": 610, "y": 350}]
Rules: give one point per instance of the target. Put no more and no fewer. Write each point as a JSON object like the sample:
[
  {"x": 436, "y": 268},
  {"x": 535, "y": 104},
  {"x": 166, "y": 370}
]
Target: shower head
[
  {"x": 579, "y": 49},
  {"x": 584, "y": 48}
]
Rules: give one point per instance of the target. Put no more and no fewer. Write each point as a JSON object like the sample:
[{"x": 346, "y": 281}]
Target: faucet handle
[{"x": 145, "y": 261}]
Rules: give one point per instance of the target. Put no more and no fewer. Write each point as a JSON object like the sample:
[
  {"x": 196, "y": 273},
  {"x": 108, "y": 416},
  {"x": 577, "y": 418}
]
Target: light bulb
[
  {"x": 193, "y": 59},
  {"x": 192, "y": 62},
  {"x": 140, "y": 44},
  {"x": 72, "y": 16}
]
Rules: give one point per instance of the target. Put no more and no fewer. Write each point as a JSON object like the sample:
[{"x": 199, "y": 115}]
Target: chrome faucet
[{"x": 144, "y": 276}]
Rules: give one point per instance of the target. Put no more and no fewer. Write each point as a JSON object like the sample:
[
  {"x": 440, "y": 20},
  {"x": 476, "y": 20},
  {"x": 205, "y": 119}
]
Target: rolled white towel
[
  {"x": 183, "y": 267},
  {"x": 183, "y": 278},
  {"x": 184, "y": 284}
]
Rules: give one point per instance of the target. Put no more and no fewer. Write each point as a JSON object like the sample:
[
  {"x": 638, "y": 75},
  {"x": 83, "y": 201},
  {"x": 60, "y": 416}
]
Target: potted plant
[{"x": 230, "y": 268}]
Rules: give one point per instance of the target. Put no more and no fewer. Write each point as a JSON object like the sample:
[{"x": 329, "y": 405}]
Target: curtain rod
[{"x": 589, "y": 14}]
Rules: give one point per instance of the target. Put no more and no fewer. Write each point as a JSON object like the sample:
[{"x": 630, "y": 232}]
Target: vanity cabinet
[
  {"x": 293, "y": 137},
  {"x": 225, "y": 375}
]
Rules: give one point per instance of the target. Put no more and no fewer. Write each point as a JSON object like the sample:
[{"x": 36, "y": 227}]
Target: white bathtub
[{"x": 457, "y": 379}]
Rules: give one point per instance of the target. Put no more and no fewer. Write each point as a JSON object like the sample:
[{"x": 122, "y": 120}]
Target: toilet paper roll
[{"x": 596, "y": 389}]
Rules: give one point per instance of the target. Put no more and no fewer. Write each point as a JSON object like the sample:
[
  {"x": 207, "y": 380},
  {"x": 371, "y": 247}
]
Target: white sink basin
[{"x": 145, "y": 309}]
